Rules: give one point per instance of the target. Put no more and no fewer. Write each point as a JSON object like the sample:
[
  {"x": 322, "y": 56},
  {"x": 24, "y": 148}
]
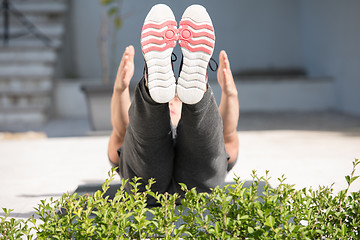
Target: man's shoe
[
  {"x": 158, "y": 39},
  {"x": 197, "y": 41}
]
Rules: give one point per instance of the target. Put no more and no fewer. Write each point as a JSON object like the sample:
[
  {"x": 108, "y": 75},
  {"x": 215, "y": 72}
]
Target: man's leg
[
  {"x": 201, "y": 158},
  {"x": 147, "y": 151}
]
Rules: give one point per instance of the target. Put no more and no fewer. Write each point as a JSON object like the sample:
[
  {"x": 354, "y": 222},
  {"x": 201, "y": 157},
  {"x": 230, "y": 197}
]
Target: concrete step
[
  {"x": 25, "y": 92},
  {"x": 28, "y": 83},
  {"x": 282, "y": 94},
  {"x": 27, "y": 54},
  {"x": 18, "y": 103},
  {"x": 22, "y": 116},
  {"x": 50, "y": 30},
  {"x": 35, "y": 18},
  {"x": 24, "y": 70},
  {"x": 31, "y": 41},
  {"x": 40, "y": 6},
  {"x": 255, "y": 95}
]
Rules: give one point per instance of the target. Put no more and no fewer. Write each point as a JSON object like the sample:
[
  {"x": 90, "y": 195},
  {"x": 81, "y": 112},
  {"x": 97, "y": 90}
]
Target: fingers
[
  {"x": 123, "y": 58},
  {"x": 127, "y": 55},
  {"x": 127, "y": 58},
  {"x": 225, "y": 76},
  {"x": 126, "y": 69},
  {"x": 131, "y": 51},
  {"x": 224, "y": 71},
  {"x": 129, "y": 61},
  {"x": 222, "y": 57},
  {"x": 226, "y": 61}
]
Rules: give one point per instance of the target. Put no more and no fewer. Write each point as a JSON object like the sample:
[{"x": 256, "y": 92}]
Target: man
[{"x": 173, "y": 131}]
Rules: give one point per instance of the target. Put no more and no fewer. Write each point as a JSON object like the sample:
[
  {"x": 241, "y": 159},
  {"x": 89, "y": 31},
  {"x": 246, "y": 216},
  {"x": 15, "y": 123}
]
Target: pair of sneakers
[{"x": 197, "y": 40}]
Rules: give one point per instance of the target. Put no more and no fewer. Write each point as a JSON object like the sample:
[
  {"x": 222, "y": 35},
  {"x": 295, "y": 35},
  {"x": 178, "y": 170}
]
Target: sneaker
[
  {"x": 158, "y": 39},
  {"x": 197, "y": 41}
]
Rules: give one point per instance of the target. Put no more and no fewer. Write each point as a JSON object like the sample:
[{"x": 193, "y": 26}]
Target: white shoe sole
[
  {"x": 158, "y": 39},
  {"x": 197, "y": 41}
]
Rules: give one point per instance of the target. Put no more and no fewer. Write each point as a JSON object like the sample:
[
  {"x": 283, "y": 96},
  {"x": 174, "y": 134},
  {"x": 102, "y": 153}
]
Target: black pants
[{"x": 197, "y": 157}]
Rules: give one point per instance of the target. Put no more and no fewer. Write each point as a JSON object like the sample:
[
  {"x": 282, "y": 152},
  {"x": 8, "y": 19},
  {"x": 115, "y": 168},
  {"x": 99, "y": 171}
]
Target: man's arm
[
  {"x": 229, "y": 106},
  {"x": 120, "y": 103}
]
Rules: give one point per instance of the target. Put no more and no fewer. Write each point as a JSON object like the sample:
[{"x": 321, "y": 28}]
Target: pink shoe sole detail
[
  {"x": 186, "y": 35},
  {"x": 196, "y": 26},
  {"x": 169, "y": 36}
]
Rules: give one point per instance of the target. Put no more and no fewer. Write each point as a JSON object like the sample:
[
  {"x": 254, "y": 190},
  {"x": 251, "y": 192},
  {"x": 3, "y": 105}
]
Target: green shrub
[
  {"x": 231, "y": 212},
  {"x": 14, "y": 229}
]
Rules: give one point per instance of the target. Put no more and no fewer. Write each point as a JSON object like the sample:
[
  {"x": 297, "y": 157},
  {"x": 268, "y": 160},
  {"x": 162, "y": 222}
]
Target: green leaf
[
  {"x": 112, "y": 11},
  {"x": 250, "y": 230},
  {"x": 353, "y": 179},
  {"x": 343, "y": 229},
  {"x": 183, "y": 187},
  {"x": 106, "y": 2},
  {"x": 228, "y": 198},
  {"x": 257, "y": 204},
  {"x": 261, "y": 213},
  {"x": 244, "y": 217},
  {"x": 270, "y": 221},
  {"x": 118, "y": 22},
  {"x": 347, "y": 179},
  {"x": 217, "y": 228},
  {"x": 97, "y": 195},
  {"x": 295, "y": 228}
]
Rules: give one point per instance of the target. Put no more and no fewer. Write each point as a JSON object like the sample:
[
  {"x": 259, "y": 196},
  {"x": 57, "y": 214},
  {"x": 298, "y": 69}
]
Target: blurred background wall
[
  {"x": 256, "y": 34},
  {"x": 298, "y": 55},
  {"x": 330, "y": 45},
  {"x": 321, "y": 37}
]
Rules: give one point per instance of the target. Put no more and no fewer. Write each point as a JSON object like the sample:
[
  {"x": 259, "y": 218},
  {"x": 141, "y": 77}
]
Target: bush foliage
[{"x": 230, "y": 212}]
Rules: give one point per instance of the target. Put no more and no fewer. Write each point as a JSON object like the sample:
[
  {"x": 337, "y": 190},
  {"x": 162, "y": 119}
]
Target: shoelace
[
  {"x": 216, "y": 65},
  {"x": 175, "y": 57},
  {"x": 214, "y": 69}
]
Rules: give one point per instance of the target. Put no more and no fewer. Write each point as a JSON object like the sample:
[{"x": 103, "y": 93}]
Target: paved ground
[{"x": 311, "y": 149}]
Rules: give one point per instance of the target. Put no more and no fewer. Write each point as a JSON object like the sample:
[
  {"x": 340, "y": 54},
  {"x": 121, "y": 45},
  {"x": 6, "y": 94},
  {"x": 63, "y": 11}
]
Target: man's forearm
[
  {"x": 229, "y": 111},
  {"x": 120, "y": 104}
]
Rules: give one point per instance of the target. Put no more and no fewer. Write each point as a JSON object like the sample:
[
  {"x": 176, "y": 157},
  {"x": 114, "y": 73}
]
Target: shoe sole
[
  {"x": 197, "y": 41},
  {"x": 158, "y": 39}
]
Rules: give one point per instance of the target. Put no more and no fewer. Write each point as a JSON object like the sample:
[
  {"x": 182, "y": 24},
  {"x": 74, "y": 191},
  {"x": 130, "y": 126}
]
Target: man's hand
[
  {"x": 229, "y": 106},
  {"x": 224, "y": 75},
  {"x": 120, "y": 103},
  {"x": 126, "y": 70}
]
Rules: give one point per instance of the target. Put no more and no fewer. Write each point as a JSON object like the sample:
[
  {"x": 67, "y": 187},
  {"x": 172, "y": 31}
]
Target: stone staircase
[{"x": 27, "y": 64}]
